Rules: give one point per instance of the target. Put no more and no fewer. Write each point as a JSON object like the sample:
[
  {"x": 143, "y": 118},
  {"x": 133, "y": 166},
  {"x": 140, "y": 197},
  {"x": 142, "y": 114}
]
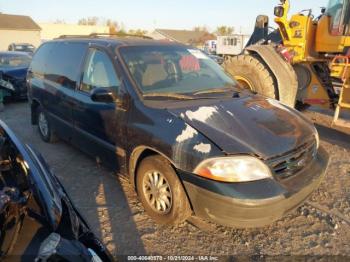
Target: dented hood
[{"x": 250, "y": 125}]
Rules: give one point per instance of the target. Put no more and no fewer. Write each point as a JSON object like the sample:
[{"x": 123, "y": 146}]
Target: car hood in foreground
[
  {"x": 42, "y": 180},
  {"x": 16, "y": 72},
  {"x": 250, "y": 125}
]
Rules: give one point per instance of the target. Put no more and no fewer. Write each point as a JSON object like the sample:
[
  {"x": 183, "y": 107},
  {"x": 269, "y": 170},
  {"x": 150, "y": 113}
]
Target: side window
[
  {"x": 347, "y": 19},
  {"x": 64, "y": 63},
  {"x": 99, "y": 72},
  {"x": 226, "y": 41},
  {"x": 38, "y": 64},
  {"x": 335, "y": 11},
  {"x": 235, "y": 41}
]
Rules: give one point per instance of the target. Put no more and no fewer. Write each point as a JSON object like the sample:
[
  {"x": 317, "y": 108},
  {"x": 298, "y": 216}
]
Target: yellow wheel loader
[{"x": 304, "y": 62}]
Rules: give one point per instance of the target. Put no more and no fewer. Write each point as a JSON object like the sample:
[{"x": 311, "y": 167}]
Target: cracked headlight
[
  {"x": 6, "y": 85},
  {"x": 233, "y": 169}
]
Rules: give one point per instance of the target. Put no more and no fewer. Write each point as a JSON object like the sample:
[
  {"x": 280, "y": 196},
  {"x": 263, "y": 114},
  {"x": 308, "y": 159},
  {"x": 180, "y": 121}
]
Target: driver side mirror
[
  {"x": 102, "y": 95},
  {"x": 279, "y": 11}
]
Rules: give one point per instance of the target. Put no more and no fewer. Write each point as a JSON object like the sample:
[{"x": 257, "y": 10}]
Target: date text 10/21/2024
[{"x": 172, "y": 258}]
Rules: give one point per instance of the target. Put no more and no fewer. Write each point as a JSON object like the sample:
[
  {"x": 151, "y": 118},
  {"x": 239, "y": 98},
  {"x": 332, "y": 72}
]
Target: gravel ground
[{"x": 319, "y": 228}]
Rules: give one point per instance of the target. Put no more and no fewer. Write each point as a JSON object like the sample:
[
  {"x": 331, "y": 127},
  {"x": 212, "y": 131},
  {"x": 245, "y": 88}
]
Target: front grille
[{"x": 293, "y": 162}]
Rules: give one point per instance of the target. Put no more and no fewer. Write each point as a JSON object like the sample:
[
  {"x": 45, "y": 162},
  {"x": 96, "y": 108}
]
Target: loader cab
[
  {"x": 338, "y": 12},
  {"x": 333, "y": 28}
]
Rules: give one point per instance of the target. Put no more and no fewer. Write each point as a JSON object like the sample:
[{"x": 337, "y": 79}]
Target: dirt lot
[{"x": 320, "y": 227}]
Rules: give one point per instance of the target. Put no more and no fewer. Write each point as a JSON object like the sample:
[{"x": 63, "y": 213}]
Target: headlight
[
  {"x": 233, "y": 169},
  {"x": 6, "y": 85}
]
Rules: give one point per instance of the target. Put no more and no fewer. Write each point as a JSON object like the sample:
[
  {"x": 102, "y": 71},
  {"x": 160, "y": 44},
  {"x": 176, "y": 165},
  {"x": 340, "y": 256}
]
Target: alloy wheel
[
  {"x": 157, "y": 192},
  {"x": 43, "y": 124}
]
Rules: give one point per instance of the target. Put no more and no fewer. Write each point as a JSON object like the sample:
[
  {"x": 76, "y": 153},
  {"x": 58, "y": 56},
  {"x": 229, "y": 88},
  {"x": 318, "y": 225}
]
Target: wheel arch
[
  {"x": 35, "y": 104},
  {"x": 281, "y": 70},
  {"x": 137, "y": 155}
]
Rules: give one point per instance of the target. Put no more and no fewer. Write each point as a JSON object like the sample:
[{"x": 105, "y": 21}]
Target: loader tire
[{"x": 251, "y": 73}]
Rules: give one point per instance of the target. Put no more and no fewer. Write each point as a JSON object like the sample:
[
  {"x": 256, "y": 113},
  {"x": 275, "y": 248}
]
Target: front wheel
[
  {"x": 161, "y": 191},
  {"x": 46, "y": 132}
]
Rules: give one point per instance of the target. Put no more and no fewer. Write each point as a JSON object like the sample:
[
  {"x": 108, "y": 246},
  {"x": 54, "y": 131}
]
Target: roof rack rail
[
  {"x": 96, "y": 35},
  {"x": 119, "y": 34},
  {"x": 72, "y": 36}
]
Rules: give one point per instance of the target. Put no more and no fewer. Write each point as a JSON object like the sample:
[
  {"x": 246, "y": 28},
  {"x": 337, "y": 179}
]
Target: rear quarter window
[
  {"x": 38, "y": 64},
  {"x": 64, "y": 63}
]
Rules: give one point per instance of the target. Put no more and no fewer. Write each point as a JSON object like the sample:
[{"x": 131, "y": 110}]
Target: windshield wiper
[
  {"x": 170, "y": 95},
  {"x": 216, "y": 90}
]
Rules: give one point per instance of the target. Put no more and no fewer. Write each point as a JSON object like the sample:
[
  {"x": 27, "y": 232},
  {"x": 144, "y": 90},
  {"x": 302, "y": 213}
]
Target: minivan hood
[{"x": 251, "y": 125}]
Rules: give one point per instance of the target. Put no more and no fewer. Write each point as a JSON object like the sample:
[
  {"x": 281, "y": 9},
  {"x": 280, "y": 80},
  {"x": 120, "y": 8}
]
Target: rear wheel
[
  {"x": 45, "y": 129},
  {"x": 161, "y": 191},
  {"x": 252, "y": 74}
]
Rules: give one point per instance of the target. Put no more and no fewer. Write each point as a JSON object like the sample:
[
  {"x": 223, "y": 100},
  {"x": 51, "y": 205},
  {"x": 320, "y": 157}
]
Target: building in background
[
  {"x": 50, "y": 31},
  {"x": 188, "y": 37},
  {"x": 231, "y": 45},
  {"x": 18, "y": 29}
]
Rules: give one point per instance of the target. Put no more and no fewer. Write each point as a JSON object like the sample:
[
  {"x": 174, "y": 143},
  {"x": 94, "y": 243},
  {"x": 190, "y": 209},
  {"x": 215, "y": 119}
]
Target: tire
[
  {"x": 177, "y": 209},
  {"x": 260, "y": 79},
  {"x": 46, "y": 131}
]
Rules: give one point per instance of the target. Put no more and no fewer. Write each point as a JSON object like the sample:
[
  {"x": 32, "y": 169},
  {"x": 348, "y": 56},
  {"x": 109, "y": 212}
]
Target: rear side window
[
  {"x": 38, "y": 64},
  {"x": 64, "y": 62}
]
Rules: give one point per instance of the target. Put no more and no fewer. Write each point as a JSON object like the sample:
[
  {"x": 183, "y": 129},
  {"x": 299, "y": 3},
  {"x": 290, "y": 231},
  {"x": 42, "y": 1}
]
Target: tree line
[{"x": 116, "y": 27}]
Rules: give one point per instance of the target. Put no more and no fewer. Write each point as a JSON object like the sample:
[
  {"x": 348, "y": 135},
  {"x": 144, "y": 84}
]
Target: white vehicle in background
[
  {"x": 231, "y": 45},
  {"x": 210, "y": 46}
]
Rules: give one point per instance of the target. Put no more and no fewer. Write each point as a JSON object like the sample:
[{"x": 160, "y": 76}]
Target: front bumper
[
  {"x": 19, "y": 92},
  {"x": 253, "y": 204}
]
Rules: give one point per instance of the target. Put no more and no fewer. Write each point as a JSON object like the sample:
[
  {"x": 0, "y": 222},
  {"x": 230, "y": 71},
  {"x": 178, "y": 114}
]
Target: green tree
[
  {"x": 113, "y": 26},
  {"x": 93, "y": 20},
  {"x": 224, "y": 30}
]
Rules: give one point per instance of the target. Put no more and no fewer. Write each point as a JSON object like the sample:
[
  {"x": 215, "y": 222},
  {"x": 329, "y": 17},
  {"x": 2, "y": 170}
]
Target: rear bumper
[{"x": 253, "y": 204}]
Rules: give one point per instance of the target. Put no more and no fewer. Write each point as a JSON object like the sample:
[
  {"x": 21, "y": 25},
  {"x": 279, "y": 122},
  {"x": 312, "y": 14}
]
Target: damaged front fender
[{"x": 168, "y": 135}]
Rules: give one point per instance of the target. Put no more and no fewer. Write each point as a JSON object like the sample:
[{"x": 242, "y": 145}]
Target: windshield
[
  {"x": 24, "y": 48},
  {"x": 9, "y": 61},
  {"x": 165, "y": 70}
]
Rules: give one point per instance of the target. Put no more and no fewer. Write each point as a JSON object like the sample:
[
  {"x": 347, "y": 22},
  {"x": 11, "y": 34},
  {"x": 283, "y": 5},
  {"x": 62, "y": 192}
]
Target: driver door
[{"x": 96, "y": 123}]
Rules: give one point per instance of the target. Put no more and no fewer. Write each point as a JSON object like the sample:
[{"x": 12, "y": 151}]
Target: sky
[{"x": 150, "y": 14}]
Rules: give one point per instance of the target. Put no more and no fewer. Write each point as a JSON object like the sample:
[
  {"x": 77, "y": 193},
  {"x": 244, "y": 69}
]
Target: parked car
[
  {"x": 22, "y": 47},
  {"x": 216, "y": 58},
  {"x": 37, "y": 217},
  {"x": 13, "y": 72},
  {"x": 189, "y": 138}
]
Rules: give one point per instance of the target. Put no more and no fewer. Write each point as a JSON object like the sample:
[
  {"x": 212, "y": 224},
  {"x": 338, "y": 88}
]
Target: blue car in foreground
[
  {"x": 13, "y": 71},
  {"x": 38, "y": 221}
]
